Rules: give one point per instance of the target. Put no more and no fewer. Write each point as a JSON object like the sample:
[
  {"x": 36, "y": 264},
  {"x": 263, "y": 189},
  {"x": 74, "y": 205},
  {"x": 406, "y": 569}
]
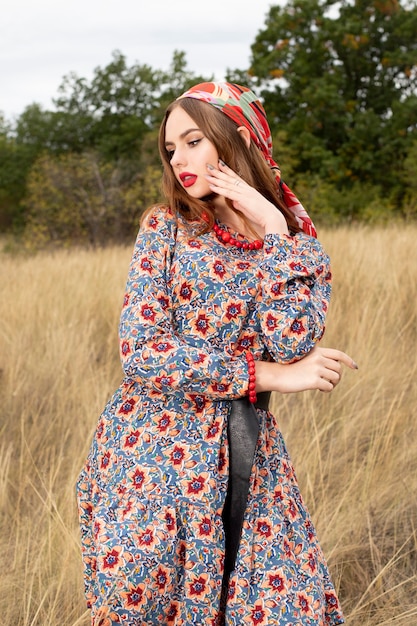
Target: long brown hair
[{"x": 248, "y": 162}]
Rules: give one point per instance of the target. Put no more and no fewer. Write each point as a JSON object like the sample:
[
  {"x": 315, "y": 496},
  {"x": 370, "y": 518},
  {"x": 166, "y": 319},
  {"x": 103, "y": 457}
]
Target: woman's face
[{"x": 189, "y": 152}]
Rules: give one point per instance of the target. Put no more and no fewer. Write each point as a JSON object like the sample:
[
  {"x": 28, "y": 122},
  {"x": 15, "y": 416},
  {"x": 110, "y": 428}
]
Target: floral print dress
[{"x": 153, "y": 487}]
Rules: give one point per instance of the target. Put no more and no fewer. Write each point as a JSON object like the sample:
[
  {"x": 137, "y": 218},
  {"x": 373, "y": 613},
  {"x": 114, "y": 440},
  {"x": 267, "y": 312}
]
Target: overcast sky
[{"x": 43, "y": 40}]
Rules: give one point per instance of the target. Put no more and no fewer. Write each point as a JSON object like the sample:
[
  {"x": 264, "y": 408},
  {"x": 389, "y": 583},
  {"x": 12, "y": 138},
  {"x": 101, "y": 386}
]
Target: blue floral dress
[{"x": 153, "y": 487}]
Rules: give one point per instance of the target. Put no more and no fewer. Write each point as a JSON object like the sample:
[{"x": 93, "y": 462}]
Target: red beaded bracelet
[{"x": 252, "y": 377}]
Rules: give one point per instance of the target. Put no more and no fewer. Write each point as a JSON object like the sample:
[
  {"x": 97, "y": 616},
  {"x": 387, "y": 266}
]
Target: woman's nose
[{"x": 177, "y": 158}]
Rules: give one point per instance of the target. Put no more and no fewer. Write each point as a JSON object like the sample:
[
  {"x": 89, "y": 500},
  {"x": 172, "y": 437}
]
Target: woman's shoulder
[
  {"x": 159, "y": 221},
  {"x": 157, "y": 216}
]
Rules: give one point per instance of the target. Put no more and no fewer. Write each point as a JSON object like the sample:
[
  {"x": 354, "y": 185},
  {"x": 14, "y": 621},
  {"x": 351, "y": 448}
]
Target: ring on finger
[{"x": 237, "y": 182}]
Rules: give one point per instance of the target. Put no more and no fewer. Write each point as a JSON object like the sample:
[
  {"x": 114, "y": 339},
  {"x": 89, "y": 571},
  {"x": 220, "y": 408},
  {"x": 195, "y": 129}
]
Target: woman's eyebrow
[{"x": 183, "y": 135}]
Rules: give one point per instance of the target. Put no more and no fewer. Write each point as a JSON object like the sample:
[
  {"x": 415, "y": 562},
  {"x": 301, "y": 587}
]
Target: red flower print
[
  {"x": 170, "y": 521},
  {"x": 231, "y": 592},
  {"x": 303, "y": 602},
  {"x": 288, "y": 548},
  {"x": 245, "y": 342},
  {"x": 162, "y": 578},
  {"x": 331, "y": 599},
  {"x": 197, "y": 484},
  {"x": 146, "y": 265},
  {"x": 164, "y": 381},
  {"x": 311, "y": 562},
  {"x": 172, "y": 613},
  {"x": 198, "y": 586},
  {"x": 200, "y": 359},
  {"x": 220, "y": 387},
  {"x": 276, "y": 289},
  {"x": 126, "y": 299},
  {"x": 164, "y": 422},
  {"x": 181, "y": 552},
  {"x": 199, "y": 402},
  {"x": 263, "y": 527},
  {"x": 139, "y": 478},
  {"x": 202, "y": 324},
  {"x": 233, "y": 310},
  {"x": 100, "y": 429},
  {"x": 271, "y": 322},
  {"x": 97, "y": 528},
  {"x": 297, "y": 267},
  {"x": 276, "y": 582},
  {"x": 219, "y": 268},
  {"x": 153, "y": 222},
  {"x": 278, "y": 495},
  {"x": 213, "y": 430},
  {"x": 146, "y": 538},
  {"x": 186, "y": 291},
  {"x": 147, "y": 312},
  {"x": 297, "y": 328},
  {"x": 125, "y": 348},
  {"x": 292, "y": 509},
  {"x": 105, "y": 460},
  {"x": 221, "y": 461},
  {"x": 162, "y": 346},
  {"x": 310, "y": 530},
  {"x": 127, "y": 406},
  {"x": 163, "y": 301},
  {"x": 177, "y": 455},
  {"x": 258, "y": 614},
  {"x": 205, "y": 527},
  {"x": 131, "y": 439},
  {"x": 134, "y": 595},
  {"x": 127, "y": 509},
  {"x": 111, "y": 559}
]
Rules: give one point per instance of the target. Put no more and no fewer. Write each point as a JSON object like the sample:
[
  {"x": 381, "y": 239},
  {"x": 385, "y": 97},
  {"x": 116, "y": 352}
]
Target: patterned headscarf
[{"x": 245, "y": 109}]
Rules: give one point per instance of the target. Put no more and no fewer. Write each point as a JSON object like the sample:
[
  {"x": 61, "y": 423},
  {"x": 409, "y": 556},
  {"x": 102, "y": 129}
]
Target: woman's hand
[
  {"x": 320, "y": 369},
  {"x": 225, "y": 182}
]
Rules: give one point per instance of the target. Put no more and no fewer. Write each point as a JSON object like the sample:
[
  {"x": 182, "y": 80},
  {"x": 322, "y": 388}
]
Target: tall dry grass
[{"x": 355, "y": 450}]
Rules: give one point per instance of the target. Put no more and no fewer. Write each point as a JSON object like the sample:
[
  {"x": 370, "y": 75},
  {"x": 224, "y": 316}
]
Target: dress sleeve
[
  {"x": 294, "y": 297},
  {"x": 152, "y": 352}
]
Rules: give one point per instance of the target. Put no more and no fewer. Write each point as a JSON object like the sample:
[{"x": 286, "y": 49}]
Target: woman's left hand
[{"x": 225, "y": 182}]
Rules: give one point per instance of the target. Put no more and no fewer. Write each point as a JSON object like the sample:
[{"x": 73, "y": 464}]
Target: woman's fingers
[
  {"x": 329, "y": 366},
  {"x": 226, "y": 182},
  {"x": 338, "y": 356}
]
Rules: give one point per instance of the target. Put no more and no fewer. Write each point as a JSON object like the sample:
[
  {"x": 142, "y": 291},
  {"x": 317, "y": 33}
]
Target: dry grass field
[{"x": 355, "y": 450}]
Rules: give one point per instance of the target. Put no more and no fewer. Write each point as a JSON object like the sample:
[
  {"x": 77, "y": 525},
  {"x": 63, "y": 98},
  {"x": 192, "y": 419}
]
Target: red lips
[{"x": 187, "y": 179}]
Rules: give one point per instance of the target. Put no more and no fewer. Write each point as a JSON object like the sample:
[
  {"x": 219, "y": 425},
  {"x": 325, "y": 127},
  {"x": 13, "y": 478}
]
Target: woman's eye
[
  {"x": 194, "y": 142},
  {"x": 170, "y": 154}
]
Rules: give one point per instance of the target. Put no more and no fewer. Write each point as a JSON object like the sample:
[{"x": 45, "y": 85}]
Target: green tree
[
  {"x": 119, "y": 107},
  {"x": 15, "y": 162},
  {"x": 80, "y": 198},
  {"x": 115, "y": 116},
  {"x": 340, "y": 78}
]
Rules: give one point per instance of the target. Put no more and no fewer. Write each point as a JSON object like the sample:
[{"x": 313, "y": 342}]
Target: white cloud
[{"x": 42, "y": 41}]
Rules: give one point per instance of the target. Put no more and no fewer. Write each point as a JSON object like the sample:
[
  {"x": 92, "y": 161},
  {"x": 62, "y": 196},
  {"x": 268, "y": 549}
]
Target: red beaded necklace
[{"x": 224, "y": 236}]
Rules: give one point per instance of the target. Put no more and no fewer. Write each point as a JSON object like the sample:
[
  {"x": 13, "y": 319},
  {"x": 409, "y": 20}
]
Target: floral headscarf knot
[{"x": 242, "y": 106}]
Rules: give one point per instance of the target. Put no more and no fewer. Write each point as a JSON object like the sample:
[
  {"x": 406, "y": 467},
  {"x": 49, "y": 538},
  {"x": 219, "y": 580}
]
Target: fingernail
[
  {"x": 222, "y": 162},
  {"x": 210, "y": 166},
  {"x": 355, "y": 365}
]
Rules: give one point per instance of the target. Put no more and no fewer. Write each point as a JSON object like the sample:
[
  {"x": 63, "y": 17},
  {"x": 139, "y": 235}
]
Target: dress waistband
[{"x": 262, "y": 401}]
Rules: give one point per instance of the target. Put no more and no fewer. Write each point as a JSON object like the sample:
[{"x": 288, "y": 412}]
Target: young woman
[{"x": 189, "y": 506}]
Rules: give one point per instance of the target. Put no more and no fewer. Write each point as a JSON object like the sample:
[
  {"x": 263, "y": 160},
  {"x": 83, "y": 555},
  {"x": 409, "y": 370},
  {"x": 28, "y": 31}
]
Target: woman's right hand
[{"x": 320, "y": 369}]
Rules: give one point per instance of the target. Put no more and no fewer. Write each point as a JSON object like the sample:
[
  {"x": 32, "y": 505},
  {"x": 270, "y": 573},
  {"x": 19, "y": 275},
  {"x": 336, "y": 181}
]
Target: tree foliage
[
  {"x": 81, "y": 165},
  {"x": 84, "y": 199},
  {"x": 341, "y": 78}
]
